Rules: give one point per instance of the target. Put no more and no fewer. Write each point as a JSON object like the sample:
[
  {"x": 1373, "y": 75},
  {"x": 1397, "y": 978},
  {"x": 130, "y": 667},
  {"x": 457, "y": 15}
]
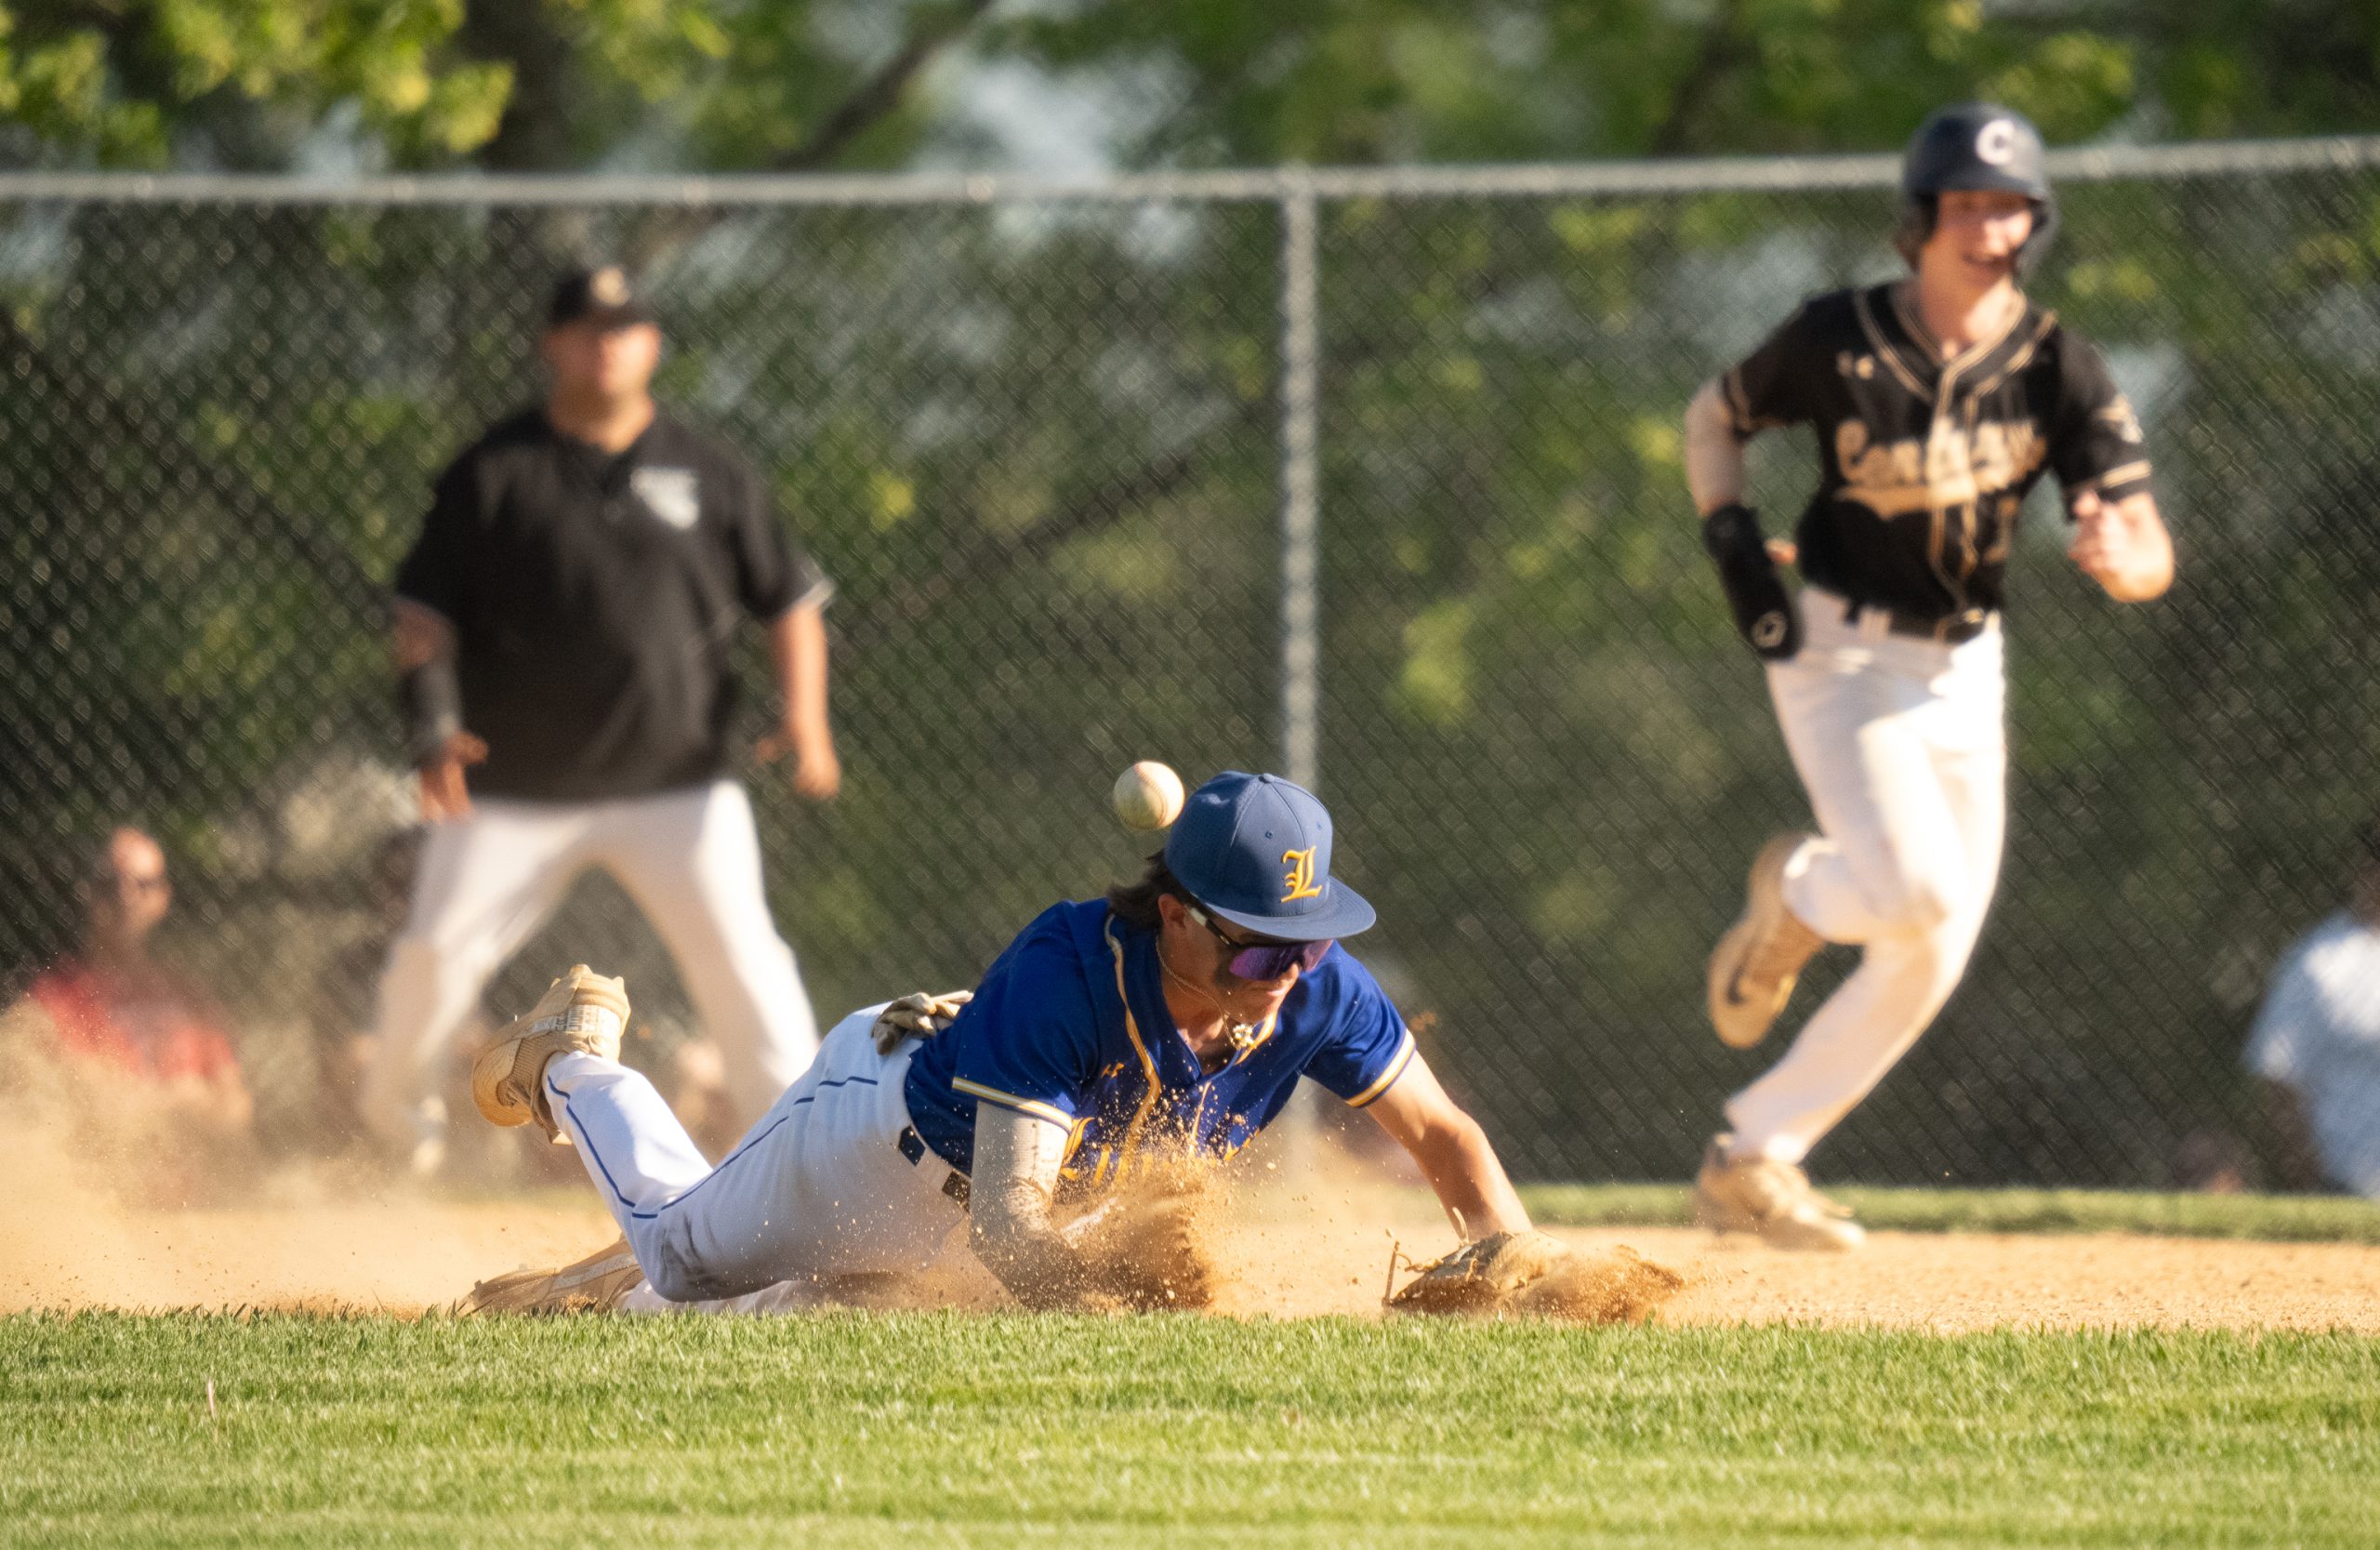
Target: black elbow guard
[
  {"x": 431, "y": 698},
  {"x": 1756, "y": 595}
]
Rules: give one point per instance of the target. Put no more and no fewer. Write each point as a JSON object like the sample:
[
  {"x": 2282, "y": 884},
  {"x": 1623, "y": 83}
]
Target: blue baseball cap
[{"x": 1255, "y": 850}]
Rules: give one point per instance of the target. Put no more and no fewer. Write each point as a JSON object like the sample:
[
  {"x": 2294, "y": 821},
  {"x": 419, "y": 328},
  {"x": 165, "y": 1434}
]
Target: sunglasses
[{"x": 1263, "y": 959}]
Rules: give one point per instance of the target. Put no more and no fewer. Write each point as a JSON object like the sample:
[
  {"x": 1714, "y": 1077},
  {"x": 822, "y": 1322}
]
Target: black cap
[
  {"x": 1974, "y": 145},
  {"x": 603, "y": 295}
]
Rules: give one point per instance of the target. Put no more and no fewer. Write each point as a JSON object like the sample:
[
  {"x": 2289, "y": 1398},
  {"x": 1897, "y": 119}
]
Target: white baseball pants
[
  {"x": 691, "y": 861},
  {"x": 1902, "y": 745},
  {"x": 820, "y": 1188}
]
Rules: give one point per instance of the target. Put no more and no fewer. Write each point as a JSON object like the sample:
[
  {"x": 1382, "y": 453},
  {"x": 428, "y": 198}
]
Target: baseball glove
[
  {"x": 1533, "y": 1274},
  {"x": 918, "y": 1015}
]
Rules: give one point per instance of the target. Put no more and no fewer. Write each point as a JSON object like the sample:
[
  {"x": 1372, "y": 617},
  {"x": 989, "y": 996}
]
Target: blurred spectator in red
[{"x": 112, "y": 1011}]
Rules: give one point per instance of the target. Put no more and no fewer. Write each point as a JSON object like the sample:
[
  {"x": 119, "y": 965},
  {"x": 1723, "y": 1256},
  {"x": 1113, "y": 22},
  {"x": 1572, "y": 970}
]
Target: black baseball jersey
[
  {"x": 1924, "y": 461},
  {"x": 595, "y": 598}
]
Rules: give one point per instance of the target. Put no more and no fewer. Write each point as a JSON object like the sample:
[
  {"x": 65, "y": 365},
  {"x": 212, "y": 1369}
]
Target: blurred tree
[
  {"x": 1363, "y": 81},
  {"x": 505, "y": 84},
  {"x": 794, "y": 85}
]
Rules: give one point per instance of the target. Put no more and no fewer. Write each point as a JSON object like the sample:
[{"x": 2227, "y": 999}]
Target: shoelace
[{"x": 1778, "y": 954}]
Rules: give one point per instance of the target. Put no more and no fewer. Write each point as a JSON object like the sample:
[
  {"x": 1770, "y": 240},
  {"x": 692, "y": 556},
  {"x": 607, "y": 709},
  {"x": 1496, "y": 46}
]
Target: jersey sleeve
[
  {"x": 1772, "y": 386},
  {"x": 1030, "y": 1042},
  {"x": 773, "y": 573},
  {"x": 2096, "y": 441},
  {"x": 1367, "y": 1046},
  {"x": 436, "y": 573}
]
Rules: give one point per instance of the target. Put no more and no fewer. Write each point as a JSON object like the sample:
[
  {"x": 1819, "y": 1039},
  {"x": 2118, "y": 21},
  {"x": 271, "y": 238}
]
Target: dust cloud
[{"x": 114, "y": 1217}]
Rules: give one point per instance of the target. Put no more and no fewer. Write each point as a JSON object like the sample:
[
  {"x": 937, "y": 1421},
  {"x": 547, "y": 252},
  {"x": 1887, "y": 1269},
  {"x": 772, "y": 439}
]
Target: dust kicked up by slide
[{"x": 82, "y": 1229}]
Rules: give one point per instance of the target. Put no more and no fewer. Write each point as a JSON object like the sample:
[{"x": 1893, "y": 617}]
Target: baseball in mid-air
[{"x": 1148, "y": 795}]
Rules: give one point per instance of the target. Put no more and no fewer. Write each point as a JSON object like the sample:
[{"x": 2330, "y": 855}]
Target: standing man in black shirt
[
  {"x": 563, "y": 635},
  {"x": 1939, "y": 401}
]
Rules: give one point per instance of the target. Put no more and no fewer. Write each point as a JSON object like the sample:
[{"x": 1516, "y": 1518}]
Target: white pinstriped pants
[
  {"x": 691, "y": 861},
  {"x": 1902, "y": 746},
  {"x": 820, "y": 1187}
]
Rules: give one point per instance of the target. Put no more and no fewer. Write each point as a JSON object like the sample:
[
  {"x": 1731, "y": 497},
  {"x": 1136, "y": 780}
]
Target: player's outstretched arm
[
  {"x": 1452, "y": 1151},
  {"x": 1714, "y": 454},
  {"x": 2122, "y": 547},
  {"x": 1009, "y": 1209}
]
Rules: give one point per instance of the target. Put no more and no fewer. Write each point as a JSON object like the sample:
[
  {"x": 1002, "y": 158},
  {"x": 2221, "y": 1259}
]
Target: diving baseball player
[
  {"x": 1171, "y": 1018},
  {"x": 1937, "y": 400}
]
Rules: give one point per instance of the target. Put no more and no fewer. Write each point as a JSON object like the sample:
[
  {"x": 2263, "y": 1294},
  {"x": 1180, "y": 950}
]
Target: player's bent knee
[
  {"x": 1929, "y": 908},
  {"x": 1921, "y": 900},
  {"x": 670, "y": 1283},
  {"x": 1928, "y": 959},
  {"x": 671, "y": 1276},
  {"x": 679, "y": 1276}
]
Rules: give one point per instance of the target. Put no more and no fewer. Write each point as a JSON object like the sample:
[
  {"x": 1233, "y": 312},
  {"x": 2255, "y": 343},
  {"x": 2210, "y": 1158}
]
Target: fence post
[
  {"x": 1300, "y": 564},
  {"x": 1301, "y": 484}
]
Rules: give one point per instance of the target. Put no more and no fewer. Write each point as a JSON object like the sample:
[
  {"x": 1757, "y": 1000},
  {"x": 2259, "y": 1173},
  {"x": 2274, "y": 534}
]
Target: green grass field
[
  {"x": 906, "y": 1430},
  {"x": 2270, "y": 1218}
]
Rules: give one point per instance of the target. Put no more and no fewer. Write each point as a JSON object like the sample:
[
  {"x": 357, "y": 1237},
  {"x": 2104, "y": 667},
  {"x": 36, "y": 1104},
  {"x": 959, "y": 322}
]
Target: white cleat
[
  {"x": 582, "y": 1011},
  {"x": 1753, "y": 967},
  {"x": 1774, "y": 1200}
]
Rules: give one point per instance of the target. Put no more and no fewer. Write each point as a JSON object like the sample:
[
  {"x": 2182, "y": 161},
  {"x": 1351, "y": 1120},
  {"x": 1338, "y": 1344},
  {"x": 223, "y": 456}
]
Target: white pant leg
[
  {"x": 484, "y": 884},
  {"x": 784, "y": 1297},
  {"x": 1901, "y": 744},
  {"x": 819, "y": 1188},
  {"x": 692, "y": 860}
]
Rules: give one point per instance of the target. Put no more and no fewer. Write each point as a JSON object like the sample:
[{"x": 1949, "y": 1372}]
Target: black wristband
[
  {"x": 431, "y": 698},
  {"x": 1764, "y": 611}
]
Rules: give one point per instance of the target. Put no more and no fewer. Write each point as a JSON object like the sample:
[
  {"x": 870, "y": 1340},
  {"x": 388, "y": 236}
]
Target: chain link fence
[{"x": 1037, "y": 437}]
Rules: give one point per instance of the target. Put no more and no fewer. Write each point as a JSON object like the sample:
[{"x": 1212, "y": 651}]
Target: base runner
[
  {"x": 1171, "y": 1019},
  {"x": 1939, "y": 401}
]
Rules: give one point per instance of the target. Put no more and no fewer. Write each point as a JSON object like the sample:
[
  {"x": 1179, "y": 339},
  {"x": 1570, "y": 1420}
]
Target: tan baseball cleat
[
  {"x": 1753, "y": 967},
  {"x": 1760, "y": 1194},
  {"x": 594, "y": 1284},
  {"x": 582, "y": 1011}
]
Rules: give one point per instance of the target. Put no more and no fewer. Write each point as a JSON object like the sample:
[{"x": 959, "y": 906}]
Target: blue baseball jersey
[{"x": 1070, "y": 1025}]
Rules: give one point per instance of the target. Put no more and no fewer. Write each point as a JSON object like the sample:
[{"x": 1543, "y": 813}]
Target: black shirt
[
  {"x": 595, "y": 598},
  {"x": 1924, "y": 462}
]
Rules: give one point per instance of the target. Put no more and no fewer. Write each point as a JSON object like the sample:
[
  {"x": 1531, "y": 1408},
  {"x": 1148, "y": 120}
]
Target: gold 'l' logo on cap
[
  {"x": 1299, "y": 878},
  {"x": 608, "y": 287}
]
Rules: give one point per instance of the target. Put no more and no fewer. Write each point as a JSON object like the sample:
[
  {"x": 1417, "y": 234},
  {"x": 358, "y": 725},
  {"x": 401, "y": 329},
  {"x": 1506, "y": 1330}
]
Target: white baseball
[{"x": 1148, "y": 795}]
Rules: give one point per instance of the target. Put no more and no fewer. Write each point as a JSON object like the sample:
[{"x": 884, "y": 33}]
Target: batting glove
[
  {"x": 1764, "y": 614},
  {"x": 919, "y": 1015}
]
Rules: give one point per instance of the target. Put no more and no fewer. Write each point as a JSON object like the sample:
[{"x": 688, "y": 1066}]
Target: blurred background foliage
[
  {"x": 796, "y": 85},
  {"x": 1036, "y": 444}
]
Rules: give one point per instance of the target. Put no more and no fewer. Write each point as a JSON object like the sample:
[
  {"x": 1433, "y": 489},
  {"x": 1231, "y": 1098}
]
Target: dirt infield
[
  {"x": 1336, "y": 1260},
  {"x": 315, "y": 1244}
]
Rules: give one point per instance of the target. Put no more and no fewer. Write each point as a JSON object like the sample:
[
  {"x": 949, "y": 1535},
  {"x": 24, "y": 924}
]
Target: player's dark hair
[
  {"x": 1135, "y": 903},
  {"x": 1916, "y": 224}
]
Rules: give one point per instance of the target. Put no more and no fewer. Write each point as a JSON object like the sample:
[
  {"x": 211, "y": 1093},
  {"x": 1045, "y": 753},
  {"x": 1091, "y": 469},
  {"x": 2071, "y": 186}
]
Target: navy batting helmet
[{"x": 1974, "y": 145}]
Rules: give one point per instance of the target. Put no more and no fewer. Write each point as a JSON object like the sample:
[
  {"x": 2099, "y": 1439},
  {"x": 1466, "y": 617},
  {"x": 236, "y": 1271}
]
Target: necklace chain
[{"x": 1239, "y": 1034}]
